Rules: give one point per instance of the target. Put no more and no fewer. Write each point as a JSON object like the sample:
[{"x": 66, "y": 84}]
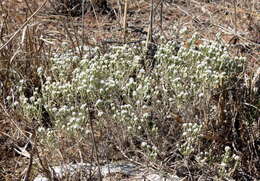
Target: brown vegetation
[{"x": 29, "y": 34}]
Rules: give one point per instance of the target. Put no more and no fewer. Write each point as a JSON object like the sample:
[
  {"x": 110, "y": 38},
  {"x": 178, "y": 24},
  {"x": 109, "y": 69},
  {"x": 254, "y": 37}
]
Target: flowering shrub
[
  {"x": 195, "y": 70},
  {"x": 116, "y": 84},
  {"x": 229, "y": 162},
  {"x": 117, "y": 88},
  {"x": 190, "y": 133}
]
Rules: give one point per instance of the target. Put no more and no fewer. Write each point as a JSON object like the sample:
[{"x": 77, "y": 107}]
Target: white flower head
[{"x": 227, "y": 149}]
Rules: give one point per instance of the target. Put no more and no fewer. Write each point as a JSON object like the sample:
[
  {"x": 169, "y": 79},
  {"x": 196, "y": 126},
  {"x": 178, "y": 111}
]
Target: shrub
[{"x": 115, "y": 89}]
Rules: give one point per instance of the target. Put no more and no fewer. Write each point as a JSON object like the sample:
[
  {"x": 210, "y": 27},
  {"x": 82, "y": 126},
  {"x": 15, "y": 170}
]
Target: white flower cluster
[
  {"x": 194, "y": 69},
  {"x": 31, "y": 107},
  {"x": 118, "y": 88},
  {"x": 229, "y": 162},
  {"x": 151, "y": 149},
  {"x": 190, "y": 135},
  {"x": 103, "y": 83}
]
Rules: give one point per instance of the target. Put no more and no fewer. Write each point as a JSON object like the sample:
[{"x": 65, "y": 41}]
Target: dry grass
[{"x": 28, "y": 38}]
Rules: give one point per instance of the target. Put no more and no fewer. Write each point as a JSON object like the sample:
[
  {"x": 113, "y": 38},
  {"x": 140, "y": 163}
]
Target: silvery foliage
[{"x": 117, "y": 87}]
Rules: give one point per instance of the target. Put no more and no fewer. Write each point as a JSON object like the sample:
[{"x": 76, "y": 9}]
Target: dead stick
[
  {"x": 125, "y": 20},
  {"x": 150, "y": 30}
]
